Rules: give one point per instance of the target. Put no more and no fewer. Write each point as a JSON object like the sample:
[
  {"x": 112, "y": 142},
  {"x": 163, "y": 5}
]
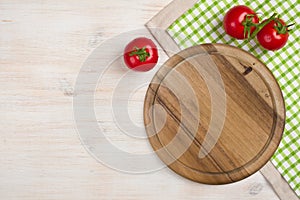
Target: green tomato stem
[
  {"x": 248, "y": 24},
  {"x": 141, "y": 53},
  {"x": 263, "y": 24}
]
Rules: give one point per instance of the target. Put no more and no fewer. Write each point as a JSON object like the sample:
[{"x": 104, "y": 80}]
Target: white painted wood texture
[{"x": 42, "y": 47}]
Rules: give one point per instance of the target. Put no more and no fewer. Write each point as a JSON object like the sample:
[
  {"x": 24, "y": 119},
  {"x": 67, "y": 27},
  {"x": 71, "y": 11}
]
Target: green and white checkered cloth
[{"x": 203, "y": 24}]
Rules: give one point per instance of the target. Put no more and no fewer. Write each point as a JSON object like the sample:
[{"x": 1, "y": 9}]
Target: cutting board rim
[{"x": 177, "y": 166}]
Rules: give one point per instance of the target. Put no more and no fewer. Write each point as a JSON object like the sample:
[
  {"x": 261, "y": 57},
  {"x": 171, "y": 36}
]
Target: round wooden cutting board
[{"x": 214, "y": 113}]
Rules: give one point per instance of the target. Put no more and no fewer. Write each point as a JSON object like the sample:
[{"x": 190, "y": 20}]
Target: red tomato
[
  {"x": 274, "y": 35},
  {"x": 141, "y": 54},
  {"x": 238, "y": 22}
]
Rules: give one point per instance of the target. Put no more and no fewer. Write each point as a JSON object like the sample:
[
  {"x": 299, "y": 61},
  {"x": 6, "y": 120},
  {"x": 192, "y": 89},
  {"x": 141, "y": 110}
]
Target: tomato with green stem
[
  {"x": 274, "y": 34},
  {"x": 141, "y": 54},
  {"x": 240, "y": 21}
]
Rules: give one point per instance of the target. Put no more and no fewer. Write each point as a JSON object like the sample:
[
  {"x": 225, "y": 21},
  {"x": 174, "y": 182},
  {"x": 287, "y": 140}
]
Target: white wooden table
[{"x": 42, "y": 47}]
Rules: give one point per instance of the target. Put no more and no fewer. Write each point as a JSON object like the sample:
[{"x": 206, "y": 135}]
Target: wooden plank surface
[{"x": 42, "y": 47}]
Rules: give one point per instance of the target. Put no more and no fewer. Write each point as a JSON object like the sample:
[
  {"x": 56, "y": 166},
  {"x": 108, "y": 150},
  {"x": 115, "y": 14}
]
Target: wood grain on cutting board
[{"x": 207, "y": 86}]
